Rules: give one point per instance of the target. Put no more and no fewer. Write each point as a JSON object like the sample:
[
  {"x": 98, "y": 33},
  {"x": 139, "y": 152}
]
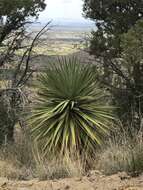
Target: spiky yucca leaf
[{"x": 70, "y": 113}]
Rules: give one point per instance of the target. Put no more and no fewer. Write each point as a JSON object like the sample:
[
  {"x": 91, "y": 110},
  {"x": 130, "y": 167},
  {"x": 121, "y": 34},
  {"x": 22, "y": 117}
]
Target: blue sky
[{"x": 63, "y": 9}]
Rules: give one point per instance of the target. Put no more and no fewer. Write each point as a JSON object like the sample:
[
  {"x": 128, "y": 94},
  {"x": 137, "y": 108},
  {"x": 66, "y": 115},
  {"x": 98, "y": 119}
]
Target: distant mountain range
[{"x": 68, "y": 24}]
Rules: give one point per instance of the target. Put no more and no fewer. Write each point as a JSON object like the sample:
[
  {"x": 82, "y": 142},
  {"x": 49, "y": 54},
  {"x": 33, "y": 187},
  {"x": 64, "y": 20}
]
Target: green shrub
[{"x": 70, "y": 113}]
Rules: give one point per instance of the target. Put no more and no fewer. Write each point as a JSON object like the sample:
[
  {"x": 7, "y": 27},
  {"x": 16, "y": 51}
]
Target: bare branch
[{"x": 38, "y": 35}]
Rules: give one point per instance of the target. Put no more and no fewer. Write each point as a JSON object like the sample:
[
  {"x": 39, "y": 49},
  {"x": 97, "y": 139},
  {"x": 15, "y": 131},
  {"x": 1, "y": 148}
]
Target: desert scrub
[
  {"x": 126, "y": 156},
  {"x": 58, "y": 168},
  {"x": 20, "y": 162}
]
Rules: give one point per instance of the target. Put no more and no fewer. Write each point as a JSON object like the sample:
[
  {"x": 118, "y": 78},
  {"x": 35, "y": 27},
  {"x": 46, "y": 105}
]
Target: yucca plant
[{"x": 70, "y": 113}]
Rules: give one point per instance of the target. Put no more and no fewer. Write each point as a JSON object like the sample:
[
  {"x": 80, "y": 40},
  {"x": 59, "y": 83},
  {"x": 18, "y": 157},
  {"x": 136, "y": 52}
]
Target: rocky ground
[{"x": 94, "y": 181}]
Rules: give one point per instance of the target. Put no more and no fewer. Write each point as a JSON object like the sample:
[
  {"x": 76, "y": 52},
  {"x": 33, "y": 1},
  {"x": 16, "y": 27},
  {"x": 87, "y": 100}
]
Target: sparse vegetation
[
  {"x": 124, "y": 155},
  {"x": 71, "y": 116}
]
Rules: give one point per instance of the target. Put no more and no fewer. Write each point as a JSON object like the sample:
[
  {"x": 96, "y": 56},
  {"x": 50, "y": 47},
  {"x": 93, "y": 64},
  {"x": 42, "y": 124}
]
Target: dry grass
[
  {"x": 56, "y": 166},
  {"x": 9, "y": 170},
  {"x": 23, "y": 160},
  {"x": 57, "y": 169},
  {"x": 122, "y": 156}
]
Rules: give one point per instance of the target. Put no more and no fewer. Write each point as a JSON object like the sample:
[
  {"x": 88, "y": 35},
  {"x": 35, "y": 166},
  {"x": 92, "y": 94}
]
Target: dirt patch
[{"x": 93, "y": 181}]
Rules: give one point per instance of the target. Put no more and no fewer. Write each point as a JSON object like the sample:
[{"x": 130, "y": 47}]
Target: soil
[{"x": 94, "y": 181}]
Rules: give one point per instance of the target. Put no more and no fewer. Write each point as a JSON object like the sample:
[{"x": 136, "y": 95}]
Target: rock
[
  {"x": 123, "y": 176},
  {"x": 4, "y": 184},
  {"x": 78, "y": 179},
  {"x": 67, "y": 187},
  {"x": 94, "y": 173}
]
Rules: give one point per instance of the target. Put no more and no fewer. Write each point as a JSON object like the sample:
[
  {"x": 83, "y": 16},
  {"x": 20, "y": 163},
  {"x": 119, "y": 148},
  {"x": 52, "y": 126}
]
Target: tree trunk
[{"x": 7, "y": 120}]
